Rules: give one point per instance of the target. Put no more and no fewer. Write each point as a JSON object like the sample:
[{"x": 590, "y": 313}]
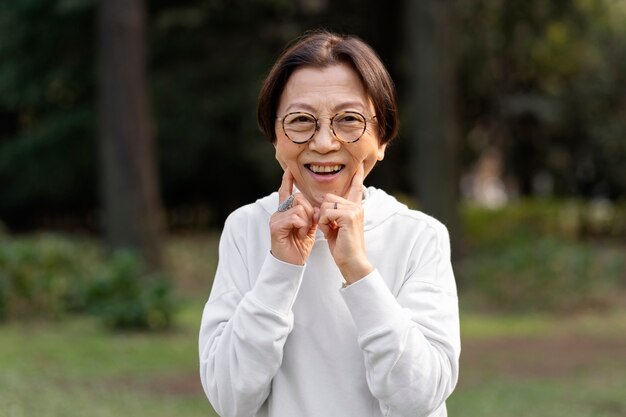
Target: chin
[{"x": 316, "y": 197}]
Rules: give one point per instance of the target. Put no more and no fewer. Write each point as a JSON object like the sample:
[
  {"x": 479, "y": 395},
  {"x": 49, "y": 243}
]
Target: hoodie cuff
[
  {"x": 277, "y": 284},
  {"x": 371, "y": 303}
]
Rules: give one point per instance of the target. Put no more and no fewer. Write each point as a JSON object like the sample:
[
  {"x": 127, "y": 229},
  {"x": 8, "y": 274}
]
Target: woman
[{"x": 330, "y": 299}]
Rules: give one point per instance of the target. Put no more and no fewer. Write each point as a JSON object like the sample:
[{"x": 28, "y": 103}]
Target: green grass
[
  {"x": 512, "y": 364},
  {"x": 542, "y": 365},
  {"x": 592, "y": 323},
  {"x": 586, "y": 395},
  {"x": 77, "y": 368}
]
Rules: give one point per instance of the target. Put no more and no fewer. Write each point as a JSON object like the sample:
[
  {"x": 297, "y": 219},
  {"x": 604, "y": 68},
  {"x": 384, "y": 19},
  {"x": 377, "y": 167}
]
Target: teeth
[{"x": 326, "y": 168}]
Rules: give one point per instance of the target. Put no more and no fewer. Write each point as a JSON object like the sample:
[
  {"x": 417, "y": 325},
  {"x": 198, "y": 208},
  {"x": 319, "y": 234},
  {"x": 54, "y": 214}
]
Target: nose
[{"x": 324, "y": 140}]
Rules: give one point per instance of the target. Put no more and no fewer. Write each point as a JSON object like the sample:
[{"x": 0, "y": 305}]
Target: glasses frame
[{"x": 317, "y": 125}]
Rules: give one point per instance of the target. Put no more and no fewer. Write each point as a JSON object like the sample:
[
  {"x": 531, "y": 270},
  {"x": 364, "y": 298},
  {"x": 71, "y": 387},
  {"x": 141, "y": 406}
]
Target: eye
[
  {"x": 299, "y": 124},
  {"x": 349, "y": 119},
  {"x": 299, "y": 119}
]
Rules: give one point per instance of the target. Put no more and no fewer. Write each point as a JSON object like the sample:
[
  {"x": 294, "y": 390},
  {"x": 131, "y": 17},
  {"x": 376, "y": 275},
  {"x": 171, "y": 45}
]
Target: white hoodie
[{"x": 284, "y": 340}]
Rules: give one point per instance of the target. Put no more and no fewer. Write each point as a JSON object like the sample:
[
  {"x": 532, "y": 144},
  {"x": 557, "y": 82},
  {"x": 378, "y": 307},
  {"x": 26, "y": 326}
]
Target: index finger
[
  {"x": 355, "y": 193},
  {"x": 286, "y": 186}
]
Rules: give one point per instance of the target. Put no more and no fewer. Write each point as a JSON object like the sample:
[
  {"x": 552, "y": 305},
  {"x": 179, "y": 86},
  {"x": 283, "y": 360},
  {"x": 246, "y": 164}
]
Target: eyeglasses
[{"x": 347, "y": 126}]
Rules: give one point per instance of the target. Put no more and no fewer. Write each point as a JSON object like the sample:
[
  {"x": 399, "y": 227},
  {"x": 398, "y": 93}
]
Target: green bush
[
  {"x": 48, "y": 276},
  {"x": 546, "y": 274},
  {"x": 4, "y": 296},
  {"x": 38, "y": 275},
  {"x": 536, "y": 218},
  {"x": 490, "y": 228},
  {"x": 126, "y": 298}
]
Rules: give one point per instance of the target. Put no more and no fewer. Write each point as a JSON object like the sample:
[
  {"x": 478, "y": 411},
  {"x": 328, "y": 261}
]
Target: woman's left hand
[{"x": 341, "y": 221}]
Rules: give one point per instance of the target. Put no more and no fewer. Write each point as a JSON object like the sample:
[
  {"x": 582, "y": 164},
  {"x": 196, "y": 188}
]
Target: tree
[
  {"x": 543, "y": 82},
  {"x": 47, "y": 154},
  {"x": 132, "y": 210},
  {"x": 432, "y": 118}
]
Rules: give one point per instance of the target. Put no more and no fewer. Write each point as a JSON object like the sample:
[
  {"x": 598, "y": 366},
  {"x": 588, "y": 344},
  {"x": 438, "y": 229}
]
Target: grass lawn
[
  {"x": 544, "y": 366},
  {"x": 76, "y": 368},
  {"x": 511, "y": 365}
]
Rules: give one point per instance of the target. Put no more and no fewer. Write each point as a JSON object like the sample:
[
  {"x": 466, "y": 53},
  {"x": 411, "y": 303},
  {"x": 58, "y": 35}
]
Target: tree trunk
[
  {"x": 433, "y": 119},
  {"x": 132, "y": 213}
]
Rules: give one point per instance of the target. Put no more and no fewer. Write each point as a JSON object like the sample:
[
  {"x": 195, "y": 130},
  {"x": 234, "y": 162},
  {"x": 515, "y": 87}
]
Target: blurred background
[{"x": 128, "y": 134}]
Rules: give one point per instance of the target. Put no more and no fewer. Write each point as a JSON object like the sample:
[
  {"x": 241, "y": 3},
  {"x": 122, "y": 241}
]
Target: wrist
[
  {"x": 355, "y": 271},
  {"x": 287, "y": 259}
]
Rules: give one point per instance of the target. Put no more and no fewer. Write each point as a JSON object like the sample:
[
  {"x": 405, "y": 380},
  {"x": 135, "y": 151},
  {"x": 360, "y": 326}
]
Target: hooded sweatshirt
[{"x": 283, "y": 340}]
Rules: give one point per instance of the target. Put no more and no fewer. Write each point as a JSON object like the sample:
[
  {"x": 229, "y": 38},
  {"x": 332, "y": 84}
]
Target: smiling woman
[
  {"x": 330, "y": 298},
  {"x": 333, "y": 152}
]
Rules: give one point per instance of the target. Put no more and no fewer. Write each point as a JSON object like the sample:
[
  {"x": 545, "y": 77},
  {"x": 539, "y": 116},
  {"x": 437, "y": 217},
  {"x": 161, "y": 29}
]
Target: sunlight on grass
[
  {"x": 80, "y": 347},
  {"x": 47, "y": 397},
  {"x": 584, "y": 396},
  {"x": 517, "y": 365},
  {"x": 76, "y": 365},
  {"x": 485, "y": 325},
  {"x": 476, "y": 325}
]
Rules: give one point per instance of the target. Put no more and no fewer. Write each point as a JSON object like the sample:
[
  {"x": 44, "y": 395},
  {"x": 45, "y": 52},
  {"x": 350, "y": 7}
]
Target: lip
[{"x": 324, "y": 177}]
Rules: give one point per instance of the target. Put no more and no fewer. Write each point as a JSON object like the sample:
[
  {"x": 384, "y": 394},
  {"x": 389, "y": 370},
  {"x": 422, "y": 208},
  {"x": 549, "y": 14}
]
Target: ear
[{"x": 381, "y": 152}]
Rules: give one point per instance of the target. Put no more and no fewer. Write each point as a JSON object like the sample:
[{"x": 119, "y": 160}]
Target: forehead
[{"x": 326, "y": 88}]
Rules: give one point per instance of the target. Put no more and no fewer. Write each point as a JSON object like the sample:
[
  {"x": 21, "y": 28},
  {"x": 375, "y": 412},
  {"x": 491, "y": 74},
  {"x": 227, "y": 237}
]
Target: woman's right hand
[{"x": 293, "y": 231}]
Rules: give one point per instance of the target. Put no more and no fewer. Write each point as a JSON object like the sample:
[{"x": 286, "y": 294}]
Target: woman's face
[{"x": 323, "y": 92}]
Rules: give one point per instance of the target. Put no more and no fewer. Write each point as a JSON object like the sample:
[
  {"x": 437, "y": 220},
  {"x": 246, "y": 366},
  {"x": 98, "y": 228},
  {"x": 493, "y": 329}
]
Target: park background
[{"x": 127, "y": 136}]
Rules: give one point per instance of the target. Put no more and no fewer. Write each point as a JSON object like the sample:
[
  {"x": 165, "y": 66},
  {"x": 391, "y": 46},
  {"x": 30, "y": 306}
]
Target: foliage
[
  {"x": 534, "y": 218},
  {"x": 127, "y": 299},
  {"x": 543, "y": 255},
  {"x": 541, "y": 80},
  {"x": 40, "y": 277},
  {"x": 49, "y": 277},
  {"x": 47, "y": 120},
  {"x": 545, "y": 274}
]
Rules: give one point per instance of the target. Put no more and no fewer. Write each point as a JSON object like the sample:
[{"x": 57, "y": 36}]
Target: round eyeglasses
[{"x": 347, "y": 126}]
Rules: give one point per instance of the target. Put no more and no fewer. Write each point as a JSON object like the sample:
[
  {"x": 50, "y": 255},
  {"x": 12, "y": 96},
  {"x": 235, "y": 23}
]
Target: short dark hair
[{"x": 321, "y": 49}]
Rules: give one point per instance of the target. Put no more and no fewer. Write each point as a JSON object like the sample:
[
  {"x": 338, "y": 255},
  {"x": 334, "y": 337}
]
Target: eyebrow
[
  {"x": 300, "y": 106},
  {"x": 338, "y": 107}
]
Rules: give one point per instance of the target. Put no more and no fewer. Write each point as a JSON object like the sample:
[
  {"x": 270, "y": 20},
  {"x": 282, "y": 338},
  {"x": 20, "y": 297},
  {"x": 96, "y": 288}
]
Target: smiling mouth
[{"x": 324, "y": 169}]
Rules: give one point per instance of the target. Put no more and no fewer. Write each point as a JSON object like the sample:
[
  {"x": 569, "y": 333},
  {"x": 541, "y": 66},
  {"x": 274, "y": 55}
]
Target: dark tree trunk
[
  {"x": 433, "y": 119},
  {"x": 131, "y": 206}
]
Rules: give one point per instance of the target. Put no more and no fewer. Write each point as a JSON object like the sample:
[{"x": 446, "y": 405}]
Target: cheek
[
  {"x": 368, "y": 157},
  {"x": 287, "y": 158},
  {"x": 280, "y": 160},
  {"x": 368, "y": 163},
  {"x": 282, "y": 156}
]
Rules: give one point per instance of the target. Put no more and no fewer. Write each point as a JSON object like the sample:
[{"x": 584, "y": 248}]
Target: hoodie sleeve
[
  {"x": 410, "y": 341},
  {"x": 244, "y": 328}
]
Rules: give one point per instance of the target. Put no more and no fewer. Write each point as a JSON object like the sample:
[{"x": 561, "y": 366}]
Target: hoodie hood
[{"x": 377, "y": 204}]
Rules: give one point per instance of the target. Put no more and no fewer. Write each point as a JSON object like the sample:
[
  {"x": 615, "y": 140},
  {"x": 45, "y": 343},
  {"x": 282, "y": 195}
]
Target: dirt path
[{"x": 540, "y": 357}]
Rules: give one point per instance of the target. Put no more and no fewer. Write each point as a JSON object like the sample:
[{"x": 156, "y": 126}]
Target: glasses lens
[
  {"x": 349, "y": 126},
  {"x": 299, "y": 127}
]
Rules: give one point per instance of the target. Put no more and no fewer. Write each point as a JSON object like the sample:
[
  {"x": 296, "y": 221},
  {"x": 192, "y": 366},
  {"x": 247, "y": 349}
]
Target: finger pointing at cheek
[
  {"x": 355, "y": 192},
  {"x": 286, "y": 186}
]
